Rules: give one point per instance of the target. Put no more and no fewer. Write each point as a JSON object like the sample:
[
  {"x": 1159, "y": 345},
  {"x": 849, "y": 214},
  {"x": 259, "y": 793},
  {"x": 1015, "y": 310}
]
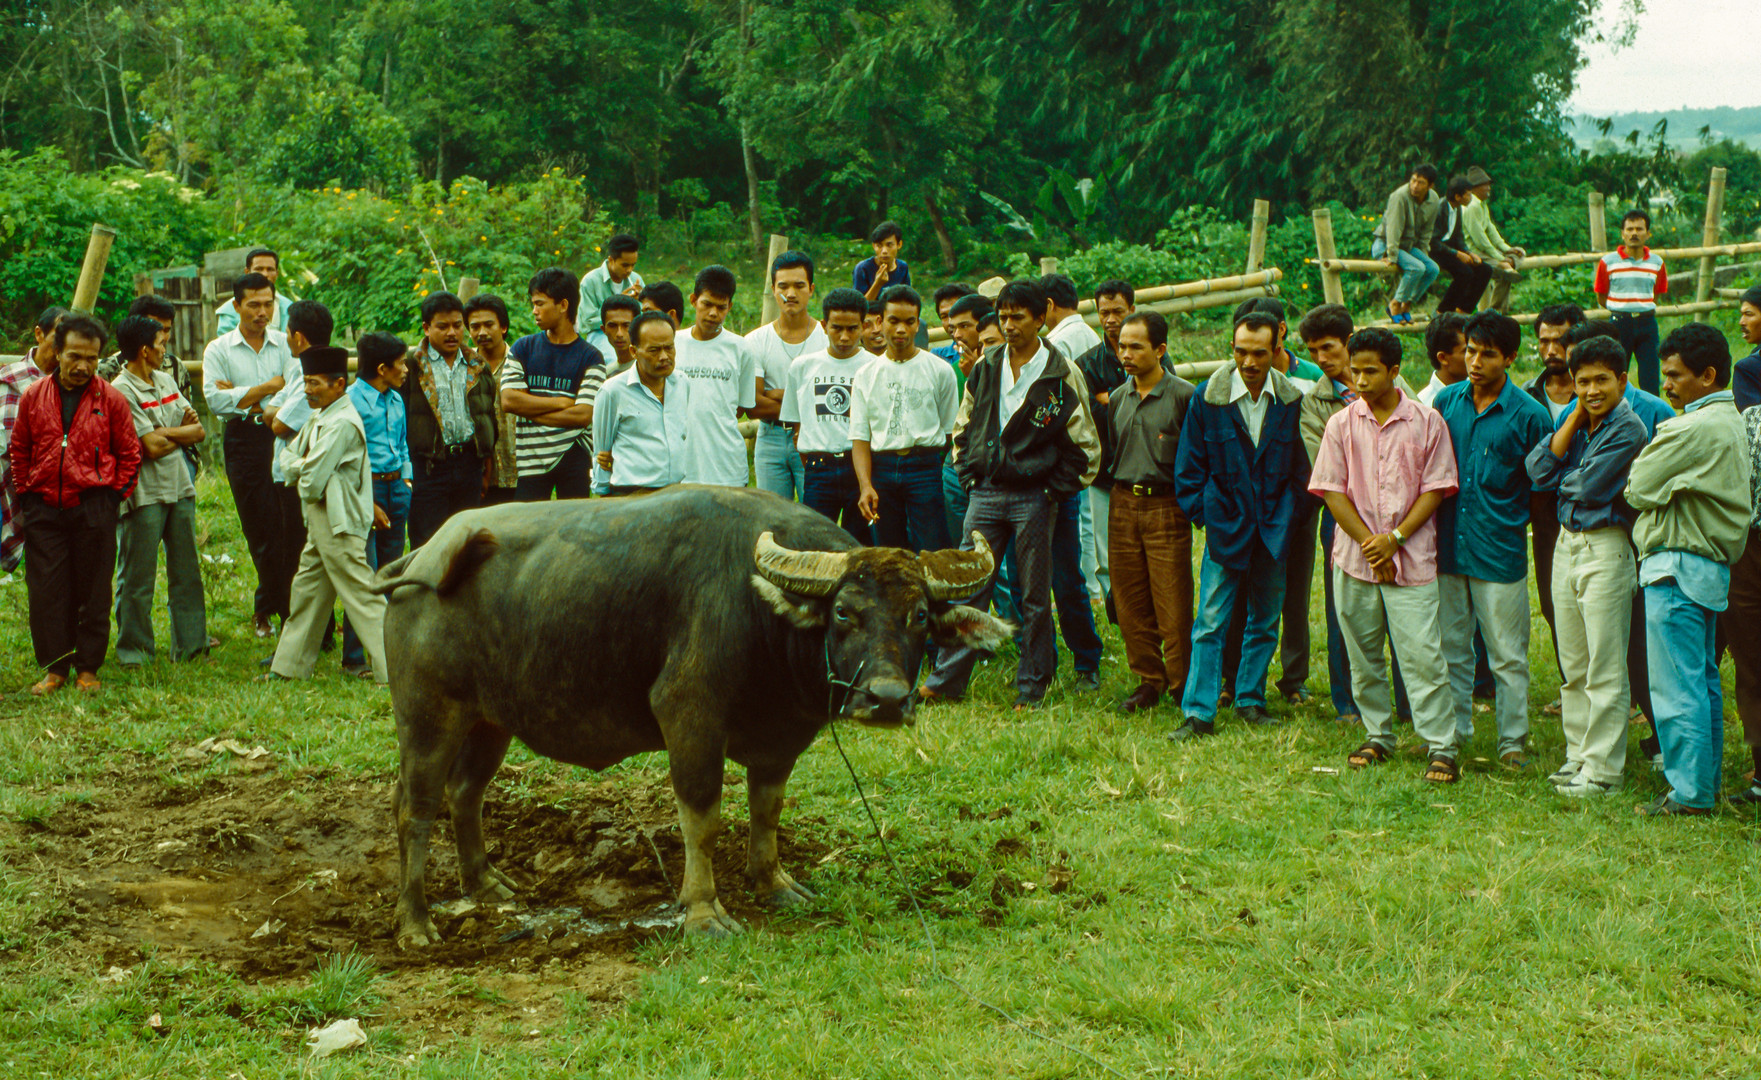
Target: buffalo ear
[
  {"x": 803, "y": 614},
  {"x": 979, "y": 629}
]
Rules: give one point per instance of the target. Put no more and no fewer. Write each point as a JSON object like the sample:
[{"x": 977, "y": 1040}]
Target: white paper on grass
[{"x": 342, "y": 1035}]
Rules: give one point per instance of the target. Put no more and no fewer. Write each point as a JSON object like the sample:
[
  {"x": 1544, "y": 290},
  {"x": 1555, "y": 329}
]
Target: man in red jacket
[{"x": 75, "y": 456}]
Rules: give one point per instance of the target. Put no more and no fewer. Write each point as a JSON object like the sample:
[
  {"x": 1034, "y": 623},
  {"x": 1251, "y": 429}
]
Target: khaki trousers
[
  {"x": 331, "y": 566},
  {"x": 1595, "y": 574}
]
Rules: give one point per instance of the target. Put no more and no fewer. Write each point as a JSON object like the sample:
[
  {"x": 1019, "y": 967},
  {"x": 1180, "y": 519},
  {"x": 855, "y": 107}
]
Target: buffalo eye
[
  {"x": 841, "y": 613},
  {"x": 920, "y": 617}
]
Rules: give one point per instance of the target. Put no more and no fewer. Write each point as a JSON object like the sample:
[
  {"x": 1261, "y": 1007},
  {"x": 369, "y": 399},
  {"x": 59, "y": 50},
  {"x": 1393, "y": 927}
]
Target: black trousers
[
  {"x": 570, "y": 478},
  {"x": 263, "y": 510},
  {"x": 442, "y": 487},
  {"x": 1467, "y": 283},
  {"x": 69, "y": 563}
]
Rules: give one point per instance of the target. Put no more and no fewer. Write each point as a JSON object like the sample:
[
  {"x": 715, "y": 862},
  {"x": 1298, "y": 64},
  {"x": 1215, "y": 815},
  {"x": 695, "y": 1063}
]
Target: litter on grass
[{"x": 342, "y": 1035}]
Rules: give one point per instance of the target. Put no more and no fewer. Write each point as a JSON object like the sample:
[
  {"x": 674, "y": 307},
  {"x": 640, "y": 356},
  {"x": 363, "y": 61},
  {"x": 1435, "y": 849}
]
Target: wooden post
[
  {"x": 1714, "y": 212},
  {"x": 144, "y": 284},
  {"x": 770, "y": 311},
  {"x": 469, "y": 287},
  {"x": 1598, "y": 223},
  {"x": 1048, "y": 266},
  {"x": 1256, "y": 244},
  {"x": 1332, "y": 288},
  {"x": 91, "y": 271}
]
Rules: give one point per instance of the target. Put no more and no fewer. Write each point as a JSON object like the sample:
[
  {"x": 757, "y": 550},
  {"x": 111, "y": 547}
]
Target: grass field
[{"x": 1244, "y": 907}]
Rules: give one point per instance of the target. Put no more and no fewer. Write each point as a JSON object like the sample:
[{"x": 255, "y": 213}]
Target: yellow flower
[
  {"x": 485, "y": 239},
  {"x": 449, "y": 262},
  {"x": 596, "y": 247},
  {"x": 556, "y": 253},
  {"x": 424, "y": 292},
  {"x": 1305, "y": 285},
  {"x": 400, "y": 251}
]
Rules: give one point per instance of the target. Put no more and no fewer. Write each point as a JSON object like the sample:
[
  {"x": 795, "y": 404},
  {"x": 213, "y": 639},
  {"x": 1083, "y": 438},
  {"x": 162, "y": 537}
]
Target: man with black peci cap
[{"x": 327, "y": 465}]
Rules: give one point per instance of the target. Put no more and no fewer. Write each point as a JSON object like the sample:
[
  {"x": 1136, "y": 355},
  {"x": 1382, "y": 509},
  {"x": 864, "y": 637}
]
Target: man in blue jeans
[
  {"x": 1404, "y": 236},
  {"x": 1241, "y": 474},
  {"x": 379, "y": 375}
]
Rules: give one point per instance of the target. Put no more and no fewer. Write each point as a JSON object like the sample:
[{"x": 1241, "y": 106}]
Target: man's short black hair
[
  {"x": 441, "y": 303},
  {"x": 901, "y": 294},
  {"x": 620, "y": 302},
  {"x": 1496, "y": 329},
  {"x": 1265, "y": 305},
  {"x": 134, "y": 333},
  {"x": 1153, "y": 322},
  {"x": 561, "y": 286},
  {"x": 1566, "y": 315},
  {"x": 886, "y": 230},
  {"x": 1459, "y": 186},
  {"x": 1445, "y": 331},
  {"x": 844, "y": 299},
  {"x": 152, "y": 306},
  {"x": 75, "y": 323},
  {"x": 987, "y": 320},
  {"x": 1024, "y": 293},
  {"x": 491, "y": 303},
  {"x": 258, "y": 252},
  {"x": 1700, "y": 347},
  {"x": 877, "y": 306},
  {"x": 1259, "y": 320},
  {"x": 715, "y": 280},
  {"x": 1060, "y": 290},
  {"x": 792, "y": 260},
  {"x": 248, "y": 282},
  {"x": 1426, "y": 171},
  {"x": 1115, "y": 287},
  {"x": 46, "y": 321},
  {"x": 1591, "y": 329},
  {"x": 376, "y": 350},
  {"x": 313, "y": 320},
  {"x": 645, "y": 319},
  {"x": 979, "y": 304},
  {"x": 1603, "y": 351},
  {"x": 622, "y": 244},
  {"x": 1378, "y": 340},
  {"x": 1323, "y": 322},
  {"x": 1636, "y": 214},
  {"x": 953, "y": 290},
  {"x": 666, "y": 296}
]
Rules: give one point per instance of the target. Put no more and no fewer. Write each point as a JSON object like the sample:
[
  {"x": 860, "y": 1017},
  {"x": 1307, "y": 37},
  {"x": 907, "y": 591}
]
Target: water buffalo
[{"x": 708, "y": 622}]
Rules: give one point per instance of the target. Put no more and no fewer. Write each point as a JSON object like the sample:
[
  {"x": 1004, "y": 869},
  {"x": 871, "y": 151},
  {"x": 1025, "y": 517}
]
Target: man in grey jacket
[{"x": 1404, "y": 235}]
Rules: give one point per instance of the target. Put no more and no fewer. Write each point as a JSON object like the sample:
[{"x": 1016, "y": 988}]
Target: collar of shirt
[
  {"x": 1710, "y": 399},
  {"x": 1346, "y": 393},
  {"x": 1405, "y": 409},
  {"x": 1014, "y": 386}
]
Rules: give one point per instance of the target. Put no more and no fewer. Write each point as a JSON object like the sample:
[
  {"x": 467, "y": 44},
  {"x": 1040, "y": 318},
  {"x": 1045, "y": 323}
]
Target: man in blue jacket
[{"x": 1241, "y": 475}]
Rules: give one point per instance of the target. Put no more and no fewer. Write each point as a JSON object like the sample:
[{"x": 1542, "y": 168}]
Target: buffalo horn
[
  {"x": 956, "y": 574},
  {"x": 805, "y": 573}
]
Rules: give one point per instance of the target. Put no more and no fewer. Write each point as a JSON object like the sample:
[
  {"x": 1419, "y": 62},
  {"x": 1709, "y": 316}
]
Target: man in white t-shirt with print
[
  {"x": 723, "y": 373},
  {"x": 778, "y": 345},
  {"x": 902, "y": 409},
  {"x": 816, "y": 410}
]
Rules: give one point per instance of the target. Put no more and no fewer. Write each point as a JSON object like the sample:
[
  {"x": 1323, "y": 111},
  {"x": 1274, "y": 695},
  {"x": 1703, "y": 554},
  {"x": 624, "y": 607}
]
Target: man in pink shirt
[{"x": 1385, "y": 464}]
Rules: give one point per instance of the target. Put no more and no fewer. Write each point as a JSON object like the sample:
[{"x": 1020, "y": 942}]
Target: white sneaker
[
  {"x": 1582, "y": 787},
  {"x": 1657, "y": 762},
  {"x": 1566, "y": 773}
]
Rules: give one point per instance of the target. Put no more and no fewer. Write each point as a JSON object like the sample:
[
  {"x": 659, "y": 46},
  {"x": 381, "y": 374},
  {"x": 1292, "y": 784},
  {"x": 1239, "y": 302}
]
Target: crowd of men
[{"x": 1081, "y": 458}]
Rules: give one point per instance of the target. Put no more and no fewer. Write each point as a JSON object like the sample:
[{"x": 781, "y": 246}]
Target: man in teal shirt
[{"x": 617, "y": 274}]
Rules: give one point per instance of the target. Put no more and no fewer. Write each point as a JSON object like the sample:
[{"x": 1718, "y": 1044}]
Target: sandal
[
  {"x": 1442, "y": 770},
  {"x": 1514, "y": 759},
  {"x": 1370, "y": 753},
  {"x": 1668, "y": 807}
]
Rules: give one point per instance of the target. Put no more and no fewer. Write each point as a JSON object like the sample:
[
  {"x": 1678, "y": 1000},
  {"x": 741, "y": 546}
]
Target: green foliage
[
  {"x": 342, "y": 985},
  {"x": 373, "y": 257},
  {"x": 46, "y": 215},
  {"x": 341, "y": 136}
]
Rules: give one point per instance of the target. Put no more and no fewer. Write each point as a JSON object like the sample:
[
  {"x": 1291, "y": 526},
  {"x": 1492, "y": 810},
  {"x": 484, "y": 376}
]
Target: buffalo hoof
[
  {"x": 419, "y": 935},
  {"x": 495, "y": 885},
  {"x": 790, "y": 893},
  {"x": 713, "y": 922}
]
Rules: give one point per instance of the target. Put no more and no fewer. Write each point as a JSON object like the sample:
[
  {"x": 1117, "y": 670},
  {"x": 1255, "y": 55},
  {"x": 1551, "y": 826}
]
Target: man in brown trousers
[{"x": 1149, "y": 542}]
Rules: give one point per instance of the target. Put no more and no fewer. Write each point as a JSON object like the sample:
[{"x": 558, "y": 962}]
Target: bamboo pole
[
  {"x": 1170, "y": 306},
  {"x": 469, "y": 287},
  {"x": 1696, "y": 308},
  {"x": 1048, "y": 266},
  {"x": 91, "y": 271},
  {"x": 1332, "y": 288},
  {"x": 769, "y": 310},
  {"x": 1202, "y": 369},
  {"x": 1156, "y": 293},
  {"x": 1709, "y": 237},
  {"x": 1574, "y": 258},
  {"x": 1598, "y": 222},
  {"x": 1729, "y": 294},
  {"x": 1256, "y": 244}
]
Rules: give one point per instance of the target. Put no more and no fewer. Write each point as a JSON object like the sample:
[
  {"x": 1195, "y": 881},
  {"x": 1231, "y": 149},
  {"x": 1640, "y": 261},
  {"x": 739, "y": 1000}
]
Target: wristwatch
[{"x": 1399, "y": 537}]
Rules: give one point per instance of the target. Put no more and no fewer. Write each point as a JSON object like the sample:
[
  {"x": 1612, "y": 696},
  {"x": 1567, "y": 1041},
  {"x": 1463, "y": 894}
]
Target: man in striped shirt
[
  {"x": 1629, "y": 280},
  {"x": 548, "y": 382}
]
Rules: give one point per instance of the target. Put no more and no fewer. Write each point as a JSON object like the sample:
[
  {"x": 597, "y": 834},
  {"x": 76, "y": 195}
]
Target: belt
[
  {"x": 824, "y": 457},
  {"x": 1632, "y": 314},
  {"x": 1145, "y": 491},
  {"x": 912, "y": 451},
  {"x": 453, "y": 450},
  {"x": 387, "y": 475}
]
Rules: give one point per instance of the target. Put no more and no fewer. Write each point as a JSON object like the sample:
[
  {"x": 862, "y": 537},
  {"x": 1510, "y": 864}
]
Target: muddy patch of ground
[{"x": 266, "y": 875}]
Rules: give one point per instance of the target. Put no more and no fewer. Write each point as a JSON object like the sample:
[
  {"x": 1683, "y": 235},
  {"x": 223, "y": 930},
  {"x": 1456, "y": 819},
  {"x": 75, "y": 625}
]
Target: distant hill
[{"x": 1740, "y": 125}]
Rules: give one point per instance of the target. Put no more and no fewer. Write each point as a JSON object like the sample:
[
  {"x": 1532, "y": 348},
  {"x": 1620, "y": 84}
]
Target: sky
[{"x": 1687, "y": 53}]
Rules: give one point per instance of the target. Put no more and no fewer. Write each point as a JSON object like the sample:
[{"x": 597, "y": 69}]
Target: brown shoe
[
  {"x": 1142, "y": 699},
  {"x": 263, "y": 628},
  {"x": 50, "y": 683},
  {"x": 88, "y": 681}
]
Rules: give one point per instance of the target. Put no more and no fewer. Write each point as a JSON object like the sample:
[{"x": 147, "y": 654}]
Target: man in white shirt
[
  {"x": 263, "y": 261},
  {"x": 616, "y": 276},
  {"x": 723, "y": 373},
  {"x": 1075, "y": 338},
  {"x": 641, "y": 421},
  {"x": 777, "y": 345},
  {"x": 241, "y": 370},
  {"x": 1446, "y": 347},
  {"x": 816, "y": 410},
  {"x": 902, "y": 409}
]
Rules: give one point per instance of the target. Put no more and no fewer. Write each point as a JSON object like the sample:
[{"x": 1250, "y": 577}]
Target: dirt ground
[{"x": 266, "y": 874}]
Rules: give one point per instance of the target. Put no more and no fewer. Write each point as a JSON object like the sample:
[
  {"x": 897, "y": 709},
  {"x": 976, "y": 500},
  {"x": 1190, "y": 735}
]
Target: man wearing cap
[
  {"x": 1483, "y": 240},
  {"x": 327, "y": 465}
]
